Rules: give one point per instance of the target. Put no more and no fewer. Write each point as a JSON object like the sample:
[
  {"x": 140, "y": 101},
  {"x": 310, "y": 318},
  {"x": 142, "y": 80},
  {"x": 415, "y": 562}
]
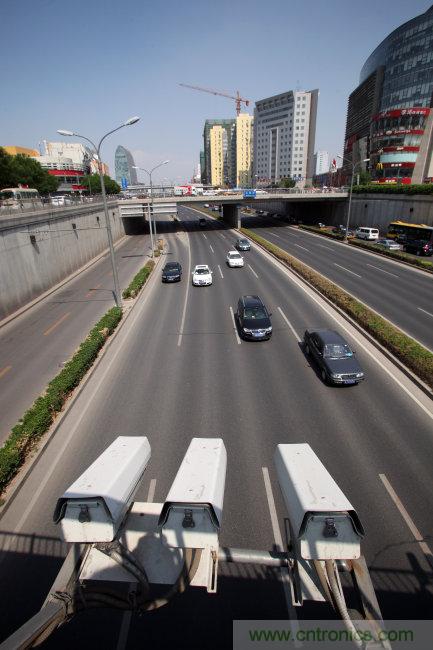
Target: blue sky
[{"x": 89, "y": 65}]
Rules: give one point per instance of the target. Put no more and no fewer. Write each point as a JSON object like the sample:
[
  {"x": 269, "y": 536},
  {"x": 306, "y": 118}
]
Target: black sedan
[
  {"x": 172, "y": 272},
  {"x": 242, "y": 245},
  {"x": 254, "y": 319},
  {"x": 334, "y": 357}
]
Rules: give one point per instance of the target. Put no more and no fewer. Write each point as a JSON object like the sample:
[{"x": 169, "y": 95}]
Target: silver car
[{"x": 389, "y": 244}]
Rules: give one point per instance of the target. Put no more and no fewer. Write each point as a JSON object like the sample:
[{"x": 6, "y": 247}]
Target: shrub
[
  {"x": 139, "y": 280},
  {"x": 37, "y": 420},
  {"x": 425, "y": 188},
  {"x": 408, "y": 351}
]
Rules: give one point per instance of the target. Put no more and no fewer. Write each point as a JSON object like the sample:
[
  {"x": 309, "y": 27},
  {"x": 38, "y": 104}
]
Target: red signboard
[
  {"x": 386, "y": 181},
  {"x": 395, "y": 148},
  {"x": 399, "y": 112},
  {"x": 381, "y": 134},
  {"x": 65, "y": 172}
]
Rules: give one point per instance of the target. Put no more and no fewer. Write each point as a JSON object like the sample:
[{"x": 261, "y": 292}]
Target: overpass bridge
[{"x": 295, "y": 203}]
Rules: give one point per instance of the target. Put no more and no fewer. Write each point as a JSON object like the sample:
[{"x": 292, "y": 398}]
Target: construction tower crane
[{"x": 238, "y": 99}]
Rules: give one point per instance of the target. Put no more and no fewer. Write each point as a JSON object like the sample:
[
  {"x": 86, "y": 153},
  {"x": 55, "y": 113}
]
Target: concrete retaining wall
[
  {"x": 380, "y": 209},
  {"x": 39, "y": 249}
]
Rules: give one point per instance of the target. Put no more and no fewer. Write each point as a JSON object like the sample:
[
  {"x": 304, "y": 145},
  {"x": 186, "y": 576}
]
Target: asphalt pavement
[
  {"x": 177, "y": 370},
  {"x": 402, "y": 294},
  {"x": 35, "y": 345}
]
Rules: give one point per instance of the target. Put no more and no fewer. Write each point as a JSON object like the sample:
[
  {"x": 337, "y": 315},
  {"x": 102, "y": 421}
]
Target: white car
[
  {"x": 202, "y": 275},
  {"x": 234, "y": 259}
]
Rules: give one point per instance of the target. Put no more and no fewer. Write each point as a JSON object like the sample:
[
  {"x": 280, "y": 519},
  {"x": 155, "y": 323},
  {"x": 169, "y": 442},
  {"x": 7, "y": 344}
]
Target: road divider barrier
[
  {"x": 409, "y": 352},
  {"x": 39, "y": 417},
  {"x": 139, "y": 280}
]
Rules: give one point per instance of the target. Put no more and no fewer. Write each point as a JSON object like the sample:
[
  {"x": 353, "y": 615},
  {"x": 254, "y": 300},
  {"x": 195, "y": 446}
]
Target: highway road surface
[
  {"x": 402, "y": 294},
  {"x": 35, "y": 345},
  {"x": 177, "y": 369}
]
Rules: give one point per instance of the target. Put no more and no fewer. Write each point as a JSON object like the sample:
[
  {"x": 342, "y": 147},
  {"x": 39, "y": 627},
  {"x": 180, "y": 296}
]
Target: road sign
[
  {"x": 124, "y": 183},
  {"x": 249, "y": 194}
]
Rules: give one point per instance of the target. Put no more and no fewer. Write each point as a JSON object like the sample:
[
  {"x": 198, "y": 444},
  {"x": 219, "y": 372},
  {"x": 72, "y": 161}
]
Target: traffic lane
[
  {"x": 393, "y": 294},
  {"x": 345, "y": 415},
  {"x": 37, "y": 344},
  {"x": 402, "y": 454},
  {"x": 31, "y": 513}
]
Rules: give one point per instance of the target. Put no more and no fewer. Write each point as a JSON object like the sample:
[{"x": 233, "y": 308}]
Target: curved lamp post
[
  {"x": 351, "y": 188},
  {"x": 149, "y": 203},
  {"x": 97, "y": 150}
]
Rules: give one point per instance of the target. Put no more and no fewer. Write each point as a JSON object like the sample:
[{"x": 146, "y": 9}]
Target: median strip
[
  {"x": 411, "y": 353},
  {"x": 138, "y": 281}
]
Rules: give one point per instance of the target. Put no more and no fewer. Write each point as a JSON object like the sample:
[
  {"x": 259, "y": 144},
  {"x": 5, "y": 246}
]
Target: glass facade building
[
  {"x": 397, "y": 139},
  {"x": 123, "y": 167}
]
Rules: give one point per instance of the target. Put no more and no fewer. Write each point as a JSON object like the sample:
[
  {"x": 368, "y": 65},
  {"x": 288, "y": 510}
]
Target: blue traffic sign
[
  {"x": 124, "y": 183},
  {"x": 249, "y": 194}
]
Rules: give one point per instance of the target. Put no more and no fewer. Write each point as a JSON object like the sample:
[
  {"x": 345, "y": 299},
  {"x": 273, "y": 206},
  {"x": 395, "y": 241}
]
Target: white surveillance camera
[
  {"x": 93, "y": 508},
  {"x": 324, "y": 525}
]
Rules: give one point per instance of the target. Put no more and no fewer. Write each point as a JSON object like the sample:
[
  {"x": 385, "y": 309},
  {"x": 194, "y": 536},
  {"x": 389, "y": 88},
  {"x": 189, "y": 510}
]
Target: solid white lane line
[
  {"x": 425, "y": 312},
  {"x": 221, "y": 273},
  {"x": 278, "y": 539},
  {"x": 210, "y": 246},
  {"x": 127, "y": 616},
  {"x": 252, "y": 271},
  {"x": 408, "y": 519},
  {"x": 151, "y": 493},
  {"x": 204, "y": 235},
  {"x": 182, "y": 323},
  {"x": 327, "y": 247},
  {"x": 348, "y": 270},
  {"x": 234, "y": 326},
  {"x": 303, "y": 248},
  {"x": 383, "y": 271},
  {"x": 294, "y": 332}
]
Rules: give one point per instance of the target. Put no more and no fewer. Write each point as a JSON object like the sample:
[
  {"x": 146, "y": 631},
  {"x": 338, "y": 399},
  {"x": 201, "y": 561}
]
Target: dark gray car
[
  {"x": 243, "y": 245},
  {"x": 172, "y": 272},
  {"x": 334, "y": 357}
]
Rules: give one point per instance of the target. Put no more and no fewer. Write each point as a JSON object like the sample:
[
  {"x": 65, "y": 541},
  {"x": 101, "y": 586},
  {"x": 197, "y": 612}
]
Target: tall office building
[
  {"x": 284, "y": 136},
  {"x": 123, "y": 166},
  {"x": 218, "y": 149},
  {"x": 321, "y": 162},
  {"x": 390, "y": 117},
  {"x": 229, "y": 142},
  {"x": 244, "y": 150}
]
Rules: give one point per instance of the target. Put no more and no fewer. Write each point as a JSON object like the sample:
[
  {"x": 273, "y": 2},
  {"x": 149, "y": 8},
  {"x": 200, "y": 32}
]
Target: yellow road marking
[
  {"x": 4, "y": 370},
  {"x": 57, "y": 323}
]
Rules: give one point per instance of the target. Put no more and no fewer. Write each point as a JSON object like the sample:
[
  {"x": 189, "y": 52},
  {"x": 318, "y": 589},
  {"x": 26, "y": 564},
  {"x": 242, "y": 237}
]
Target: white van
[{"x": 367, "y": 233}]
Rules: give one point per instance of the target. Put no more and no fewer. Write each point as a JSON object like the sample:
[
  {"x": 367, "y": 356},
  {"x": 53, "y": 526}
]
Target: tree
[
  {"x": 364, "y": 177},
  {"x": 22, "y": 170},
  {"x": 111, "y": 187},
  {"x": 287, "y": 183}
]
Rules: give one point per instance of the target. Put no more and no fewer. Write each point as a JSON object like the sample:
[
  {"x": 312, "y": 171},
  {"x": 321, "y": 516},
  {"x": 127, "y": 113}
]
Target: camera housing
[
  {"x": 93, "y": 508},
  {"x": 324, "y": 525}
]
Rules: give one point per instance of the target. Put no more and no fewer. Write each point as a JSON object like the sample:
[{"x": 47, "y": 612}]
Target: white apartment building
[
  {"x": 284, "y": 137},
  {"x": 321, "y": 162}
]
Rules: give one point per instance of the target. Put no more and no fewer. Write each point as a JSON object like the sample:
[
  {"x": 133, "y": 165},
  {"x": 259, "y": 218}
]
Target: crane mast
[{"x": 238, "y": 99}]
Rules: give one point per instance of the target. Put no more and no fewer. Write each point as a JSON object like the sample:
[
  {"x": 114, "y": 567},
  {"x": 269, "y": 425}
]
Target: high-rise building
[
  {"x": 202, "y": 167},
  {"x": 229, "y": 141},
  {"x": 218, "y": 148},
  {"x": 284, "y": 136},
  {"x": 321, "y": 162},
  {"x": 244, "y": 150},
  {"x": 123, "y": 167},
  {"x": 389, "y": 117}
]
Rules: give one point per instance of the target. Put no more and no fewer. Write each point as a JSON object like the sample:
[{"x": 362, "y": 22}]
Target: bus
[
  {"x": 19, "y": 198},
  {"x": 402, "y": 231}
]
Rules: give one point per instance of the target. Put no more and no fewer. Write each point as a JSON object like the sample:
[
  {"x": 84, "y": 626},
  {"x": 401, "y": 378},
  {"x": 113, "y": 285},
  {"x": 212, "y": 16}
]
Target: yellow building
[
  {"x": 14, "y": 151},
  {"x": 217, "y": 155},
  {"x": 244, "y": 150}
]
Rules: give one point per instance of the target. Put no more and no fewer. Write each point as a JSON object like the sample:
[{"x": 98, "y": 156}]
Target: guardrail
[{"x": 19, "y": 210}]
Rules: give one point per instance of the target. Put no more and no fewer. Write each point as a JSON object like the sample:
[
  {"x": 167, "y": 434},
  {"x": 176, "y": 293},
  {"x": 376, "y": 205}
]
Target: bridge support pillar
[{"x": 232, "y": 215}]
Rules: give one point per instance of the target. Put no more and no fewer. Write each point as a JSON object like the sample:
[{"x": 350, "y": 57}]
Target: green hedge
[
  {"x": 426, "y": 188},
  {"x": 139, "y": 280},
  {"x": 325, "y": 233},
  {"x": 37, "y": 420},
  {"x": 408, "y": 351}
]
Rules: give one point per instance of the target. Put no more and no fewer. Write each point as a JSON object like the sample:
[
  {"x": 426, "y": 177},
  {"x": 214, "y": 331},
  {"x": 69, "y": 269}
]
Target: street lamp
[
  {"x": 97, "y": 150},
  {"x": 149, "y": 203},
  {"x": 351, "y": 188}
]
